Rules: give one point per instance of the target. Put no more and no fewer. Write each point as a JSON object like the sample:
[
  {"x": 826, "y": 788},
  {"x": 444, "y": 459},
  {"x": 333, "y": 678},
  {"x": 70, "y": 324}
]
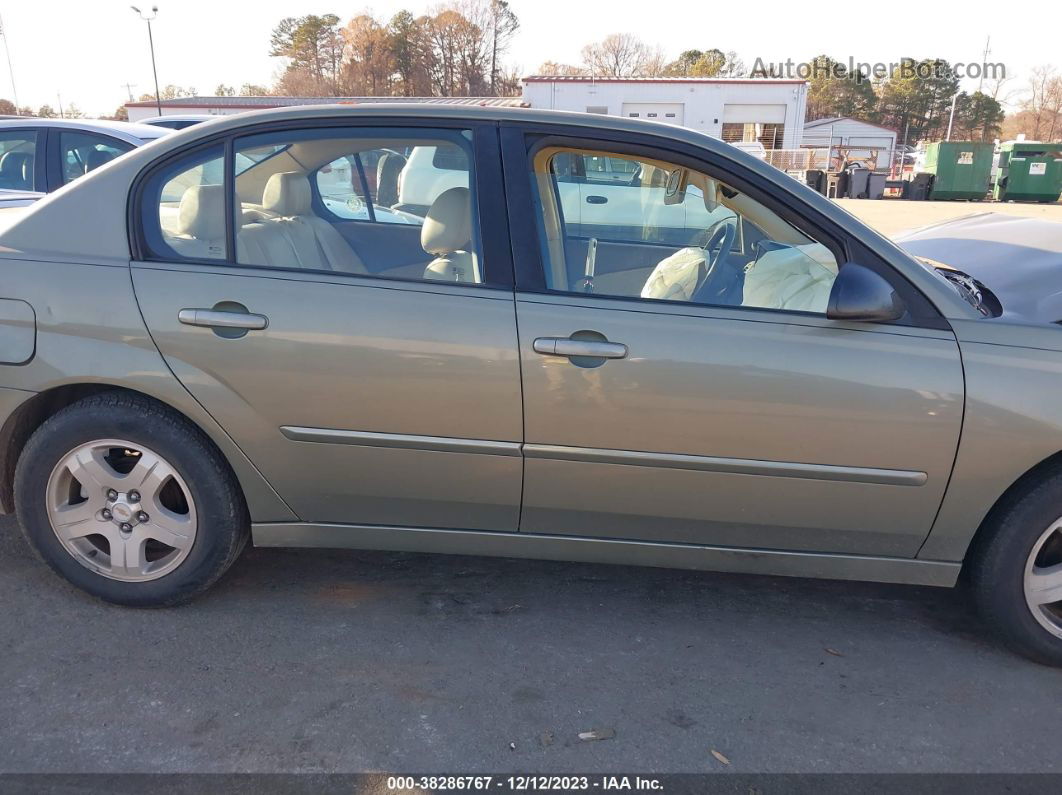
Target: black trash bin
[
  {"x": 858, "y": 178},
  {"x": 920, "y": 187},
  {"x": 816, "y": 180}
]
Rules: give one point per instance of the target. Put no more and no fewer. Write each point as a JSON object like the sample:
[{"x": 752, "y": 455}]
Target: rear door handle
[
  {"x": 565, "y": 346},
  {"x": 213, "y": 318},
  {"x": 594, "y": 199}
]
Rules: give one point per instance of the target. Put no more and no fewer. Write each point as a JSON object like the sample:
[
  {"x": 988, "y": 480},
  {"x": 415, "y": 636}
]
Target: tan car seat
[{"x": 447, "y": 233}]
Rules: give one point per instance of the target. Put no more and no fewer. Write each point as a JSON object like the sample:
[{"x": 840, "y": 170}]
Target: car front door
[
  {"x": 363, "y": 398},
  {"x": 712, "y": 401}
]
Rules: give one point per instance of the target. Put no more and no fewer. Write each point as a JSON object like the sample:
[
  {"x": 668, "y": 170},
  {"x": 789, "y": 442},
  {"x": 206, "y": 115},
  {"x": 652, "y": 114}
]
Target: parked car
[
  {"x": 191, "y": 362},
  {"x": 44, "y": 154},
  {"x": 177, "y": 121}
]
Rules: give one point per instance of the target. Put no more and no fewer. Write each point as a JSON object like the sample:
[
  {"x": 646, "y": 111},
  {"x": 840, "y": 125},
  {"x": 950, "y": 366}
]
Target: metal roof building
[
  {"x": 225, "y": 106},
  {"x": 734, "y": 109}
]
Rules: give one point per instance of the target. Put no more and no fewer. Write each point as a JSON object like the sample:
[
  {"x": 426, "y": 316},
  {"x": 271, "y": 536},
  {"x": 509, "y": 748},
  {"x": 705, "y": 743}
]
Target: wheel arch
[
  {"x": 262, "y": 501},
  {"x": 1048, "y": 467}
]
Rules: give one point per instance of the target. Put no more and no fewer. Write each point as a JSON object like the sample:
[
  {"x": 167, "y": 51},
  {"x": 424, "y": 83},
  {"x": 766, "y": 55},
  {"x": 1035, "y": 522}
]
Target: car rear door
[
  {"x": 363, "y": 399},
  {"x": 729, "y": 425}
]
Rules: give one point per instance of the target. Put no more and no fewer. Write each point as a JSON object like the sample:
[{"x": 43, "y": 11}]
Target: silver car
[
  {"x": 42, "y": 155},
  {"x": 197, "y": 350}
]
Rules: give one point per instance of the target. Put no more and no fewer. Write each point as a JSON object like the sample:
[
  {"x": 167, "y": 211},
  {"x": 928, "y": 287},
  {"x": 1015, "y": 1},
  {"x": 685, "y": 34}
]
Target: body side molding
[
  {"x": 737, "y": 466},
  {"x": 405, "y": 441}
]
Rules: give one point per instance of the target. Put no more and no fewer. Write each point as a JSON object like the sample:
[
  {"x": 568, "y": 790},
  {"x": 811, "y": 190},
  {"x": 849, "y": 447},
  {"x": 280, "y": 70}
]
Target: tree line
[
  {"x": 460, "y": 49},
  {"x": 457, "y": 50}
]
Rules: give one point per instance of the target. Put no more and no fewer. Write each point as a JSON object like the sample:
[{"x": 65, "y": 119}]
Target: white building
[
  {"x": 857, "y": 138},
  {"x": 733, "y": 109}
]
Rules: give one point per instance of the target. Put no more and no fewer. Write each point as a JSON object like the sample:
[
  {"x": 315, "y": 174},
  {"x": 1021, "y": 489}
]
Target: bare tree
[
  {"x": 1042, "y": 104},
  {"x": 618, "y": 55},
  {"x": 503, "y": 25},
  {"x": 552, "y": 68}
]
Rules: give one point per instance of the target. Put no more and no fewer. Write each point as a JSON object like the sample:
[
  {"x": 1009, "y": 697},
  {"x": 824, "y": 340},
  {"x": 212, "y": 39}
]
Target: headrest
[
  {"x": 287, "y": 194},
  {"x": 97, "y": 158},
  {"x": 202, "y": 212},
  {"x": 448, "y": 224}
]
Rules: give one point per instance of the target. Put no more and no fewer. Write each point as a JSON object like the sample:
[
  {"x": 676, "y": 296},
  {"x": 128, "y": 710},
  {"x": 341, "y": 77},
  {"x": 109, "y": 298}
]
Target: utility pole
[
  {"x": 129, "y": 88},
  {"x": 7, "y": 49},
  {"x": 984, "y": 63},
  {"x": 151, "y": 43},
  {"x": 59, "y": 97},
  {"x": 951, "y": 118}
]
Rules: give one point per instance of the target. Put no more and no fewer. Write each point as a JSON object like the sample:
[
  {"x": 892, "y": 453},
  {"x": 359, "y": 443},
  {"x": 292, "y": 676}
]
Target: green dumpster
[
  {"x": 1029, "y": 172},
  {"x": 962, "y": 169}
]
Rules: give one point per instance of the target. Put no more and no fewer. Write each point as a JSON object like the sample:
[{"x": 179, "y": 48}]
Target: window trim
[
  {"x": 493, "y": 222},
  {"x": 521, "y": 141}
]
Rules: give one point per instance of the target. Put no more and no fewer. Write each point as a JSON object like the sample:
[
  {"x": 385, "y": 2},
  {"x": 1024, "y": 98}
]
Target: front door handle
[
  {"x": 565, "y": 346},
  {"x": 214, "y": 318},
  {"x": 593, "y": 199}
]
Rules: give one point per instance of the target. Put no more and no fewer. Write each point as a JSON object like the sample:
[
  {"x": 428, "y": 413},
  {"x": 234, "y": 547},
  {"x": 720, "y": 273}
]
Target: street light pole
[{"x": 151, "y": 43}]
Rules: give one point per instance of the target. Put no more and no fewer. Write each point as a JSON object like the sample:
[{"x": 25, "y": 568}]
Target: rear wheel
[
  {"x": 129, "y": 501},
  {"x": 1016, "y": 572}
]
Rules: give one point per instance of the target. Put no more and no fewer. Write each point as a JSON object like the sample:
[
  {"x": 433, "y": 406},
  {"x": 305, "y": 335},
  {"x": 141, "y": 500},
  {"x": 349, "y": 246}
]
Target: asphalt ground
[{"x": 337, "y": 661}]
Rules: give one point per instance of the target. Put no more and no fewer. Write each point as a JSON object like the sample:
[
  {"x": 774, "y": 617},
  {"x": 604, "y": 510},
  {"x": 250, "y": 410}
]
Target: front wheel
[
  {"x": 1016, "y": 571},
  {"x": 129, "y": 501}
]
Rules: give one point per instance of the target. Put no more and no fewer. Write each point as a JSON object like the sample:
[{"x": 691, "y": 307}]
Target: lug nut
[
  {"x": 106, "y": 515},
  {"x": 125, "y": 527},
  {"x": 112, "y": 494},
  {"x": 141, "y": 517},
  {"x": 134, "y": 496}
]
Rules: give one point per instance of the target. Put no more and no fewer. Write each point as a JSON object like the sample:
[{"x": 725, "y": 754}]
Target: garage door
[
  {"x": 754, "y": 114},
  {"x": 669, "y": 112}
]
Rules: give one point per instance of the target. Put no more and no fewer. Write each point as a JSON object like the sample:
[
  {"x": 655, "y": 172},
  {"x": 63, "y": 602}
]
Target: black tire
[
  {"x": 997, "y": 565},
  {"x": 223, "y": 523}
]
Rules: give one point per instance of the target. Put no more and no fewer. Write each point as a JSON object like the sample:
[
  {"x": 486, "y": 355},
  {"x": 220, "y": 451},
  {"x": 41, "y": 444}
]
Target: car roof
[{"x": 127, "y": 131}]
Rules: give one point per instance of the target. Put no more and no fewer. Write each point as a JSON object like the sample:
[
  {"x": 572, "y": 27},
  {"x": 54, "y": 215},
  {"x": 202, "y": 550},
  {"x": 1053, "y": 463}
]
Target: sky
[{"x": 84, "y": 51}]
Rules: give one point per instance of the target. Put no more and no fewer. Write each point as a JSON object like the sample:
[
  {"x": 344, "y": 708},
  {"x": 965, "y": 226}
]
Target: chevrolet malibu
[{"x": 240, "y": 332}]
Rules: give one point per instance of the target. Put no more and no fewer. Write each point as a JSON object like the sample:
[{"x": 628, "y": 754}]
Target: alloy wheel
[
  {"x": 121, "y": 510},
  {"x": 1043, "y": 579}
]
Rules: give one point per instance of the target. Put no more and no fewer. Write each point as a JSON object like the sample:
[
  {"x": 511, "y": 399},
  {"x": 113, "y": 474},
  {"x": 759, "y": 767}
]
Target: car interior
[
  {"x": 325, "y": 204},
  {"x": 612, "y": 225},
  {"x": 17, "y": 160},
  {"x": 666, "y": 232},
  {"x": 84, "y": 152},
  {"x": 16, "y": 170}
]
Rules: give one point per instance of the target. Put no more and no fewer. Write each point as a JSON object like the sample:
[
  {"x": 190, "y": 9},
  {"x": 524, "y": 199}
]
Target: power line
[{"x": 10, "y": 70}]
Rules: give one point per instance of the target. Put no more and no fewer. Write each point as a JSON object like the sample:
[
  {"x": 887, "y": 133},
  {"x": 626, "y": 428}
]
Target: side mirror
[{"x": 861, "y": 294}]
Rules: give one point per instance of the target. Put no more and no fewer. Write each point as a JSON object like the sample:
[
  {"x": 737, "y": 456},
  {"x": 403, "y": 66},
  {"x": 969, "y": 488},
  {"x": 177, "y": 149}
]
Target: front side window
[
  {"x": 661, "y": 231},
  {"x": 18, "y": 157},
  {"x": 80, "y": 152}
]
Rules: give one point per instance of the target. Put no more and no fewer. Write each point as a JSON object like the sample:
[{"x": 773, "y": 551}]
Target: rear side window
[
  {"x": 18, "y": 157},
  {"x": 80, "y": 152},
  {"x": 367, "y": 202},
  {"x": 183, "y": 208}
]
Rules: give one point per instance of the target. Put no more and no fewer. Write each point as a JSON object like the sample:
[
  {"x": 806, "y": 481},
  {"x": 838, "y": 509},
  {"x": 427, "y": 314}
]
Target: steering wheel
[{"x": 721, "y": 236}]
